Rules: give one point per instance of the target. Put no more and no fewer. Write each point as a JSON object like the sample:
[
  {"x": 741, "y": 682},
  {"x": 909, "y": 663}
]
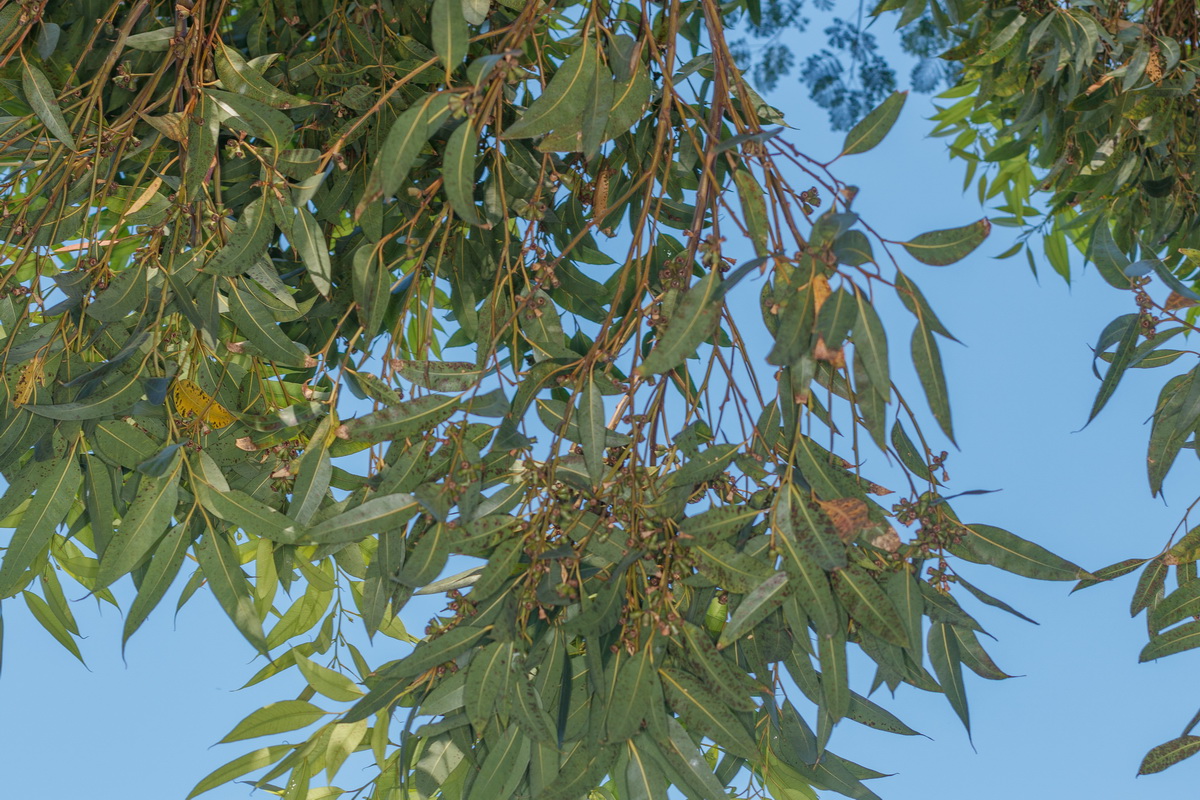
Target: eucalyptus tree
[{"x": 306, "y": 302}]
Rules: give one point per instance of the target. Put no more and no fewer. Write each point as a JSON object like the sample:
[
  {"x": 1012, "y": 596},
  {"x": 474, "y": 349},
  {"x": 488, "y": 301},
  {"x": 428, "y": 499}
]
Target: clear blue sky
[{"x": 1076, "y": 725}]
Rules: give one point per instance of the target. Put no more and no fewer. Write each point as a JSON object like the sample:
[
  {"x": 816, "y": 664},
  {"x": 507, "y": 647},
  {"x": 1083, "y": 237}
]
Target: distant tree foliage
[{"x": 1079, "y": 120}]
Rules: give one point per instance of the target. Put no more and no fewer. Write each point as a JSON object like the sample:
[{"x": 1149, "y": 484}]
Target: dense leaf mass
[{"x": 367, "y": 301}]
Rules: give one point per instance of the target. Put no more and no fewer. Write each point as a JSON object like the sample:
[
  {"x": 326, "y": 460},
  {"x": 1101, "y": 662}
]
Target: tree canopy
[{"x": 307, "y": 303}]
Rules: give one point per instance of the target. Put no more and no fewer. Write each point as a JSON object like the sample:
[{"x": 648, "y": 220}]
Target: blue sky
[{"x": 1077, "y": 723}]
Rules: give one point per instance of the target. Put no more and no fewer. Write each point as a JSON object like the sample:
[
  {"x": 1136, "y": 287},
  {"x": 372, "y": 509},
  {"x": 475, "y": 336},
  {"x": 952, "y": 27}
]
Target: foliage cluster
[{"x": 238, "y": 237}]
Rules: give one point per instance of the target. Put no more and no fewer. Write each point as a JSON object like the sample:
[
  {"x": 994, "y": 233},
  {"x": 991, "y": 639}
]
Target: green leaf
[
  {"x": 125, "y": 390},
  {"x": 394, "y": 681},
  {"x": 440, "y": 376},
  {"x": 1149, "y": 586},
  {"x": 754, "y": 608},
  {"x": 692, "y": 321},
  {"x": 459, "y": 163},
  {"x": 250, "y": 514},
  {"x": 723, "y": 675},
  {"x": 1175, "y": 418},
  {"x": 310, "y": 243},
  {"x": 312, "y": 481},
  {"x": 593, "y": 430},
  {"x": 699, "y": 708},
  {"x": 402, "y": 146},
  {"x": 254, "y": 321},
  {"x": 939, "y": 248},
  {"x": 943, "y": 655},
  {"x": 927, "y": 360},
  {"x": 450, "y": 34},
  {"x": 45, "y": 512},
  {"x": 632, "y": 685},
  {"x": 286, "y": 715},
  {"x": 44, "y": 102},
  {"x": 1169, "y": 754},
  {"x": 374, "y": 516},
  {"x": 642, "y": 779},
  {"x": 330, "y": 683},
  {"x": 487, "y": 676},
  {"x": 239, "y": 77},
  {"x": 428, "y": 557},
  {"x": 563, "y": 101},
  {"x": 506, "y": 761},
  {"x": 872, "y": 128},
  {"x": 222, "y": 566},
  {"x": 804, "y": 527},
  {"x": 716, "y": 524},
  {"x": 407, "y": 419},
  {"x": 263, "y": 757},
  {"x": 986, "y": 544},
  {"x": 684, "y": 757},
  {"x": 870, "y": 342},
  {"x": 164, "y": 566},
  {"x": 1128, "y": 331},
  {"x": 143, "y": 525},
  {"x": 246, "y": 243},
  {"x": 869, "y": 605},
  {"x": 754, "y": 209}
]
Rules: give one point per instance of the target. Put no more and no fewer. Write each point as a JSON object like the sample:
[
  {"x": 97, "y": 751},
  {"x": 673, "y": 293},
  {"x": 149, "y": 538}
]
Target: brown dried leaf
[
  {"x": 849, "y": 516},
  {"x": 1176, "y": 301},
  {"x": 822, "y": 353},
  {"x": 888, "y": 540}
]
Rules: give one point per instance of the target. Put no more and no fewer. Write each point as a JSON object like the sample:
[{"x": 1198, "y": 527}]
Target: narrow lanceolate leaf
[
  {"x": 313, "y": 249},
  {"x": 143, "y": 525},
  {"x": 316, "y": 470},
  {"x": 409, "y": 418},
  {"x": 754, "y": 208},
  {"x": 450, "y": 34},
  {"x": 632, "y": 686},
  {"x": 701, "y": 710},
  {"x": 374, "y": 516},
  {"x": 1176, "y": 640},
  {"x": 944, "y": 656},
  {"x": 249, "y": 514},
  {"x": 43, "y": 515},
  {"x": 458, "y": 167},
  {"x": 440, "y": 376},
  {"x": 402, "y": 146},
  {"x": 927, "y": 360},
  {"x": 716, "y": 525},
  {"x": 256, "y": 760},
  {"x": 989, "y": 545},
  {"x": 939, "y": 248},
  {"x": 870, "y": 342},
  {"x": 281, "y": 717},
  {"x": 247, "y": 242},
  {"x": 1149, "y": 586},
  {"x": 642, "y": 778},
  {"x": 683, "y": 755},
  {"x": 869, "y": 605},
  {"x": 1126, "y": 348},
  {"x": 723, "y": 675},
  {"x": 394, "y": 681},
  {"x": 222, "y": 566},
  {"x": 44, "y": 102},
  {"x": 487, "y": 675},
  {"x": 1175, "y": 418},
  {"x": 563, "y": 99},
  {"x": 875, "y": 125},
  {"x": 239, "y": 77},
  {"x": 1169, "y": 754},
  {"x": 507, "y": 758},
  {"x": 592, "y": 429},
  {"x": 427, "y": 559},
  {"x": 254, "y": 321},
  {"x": 164, "y": 566},
  {"x": 754, "y": 608},
  {"x": 124, "y": 391}
]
